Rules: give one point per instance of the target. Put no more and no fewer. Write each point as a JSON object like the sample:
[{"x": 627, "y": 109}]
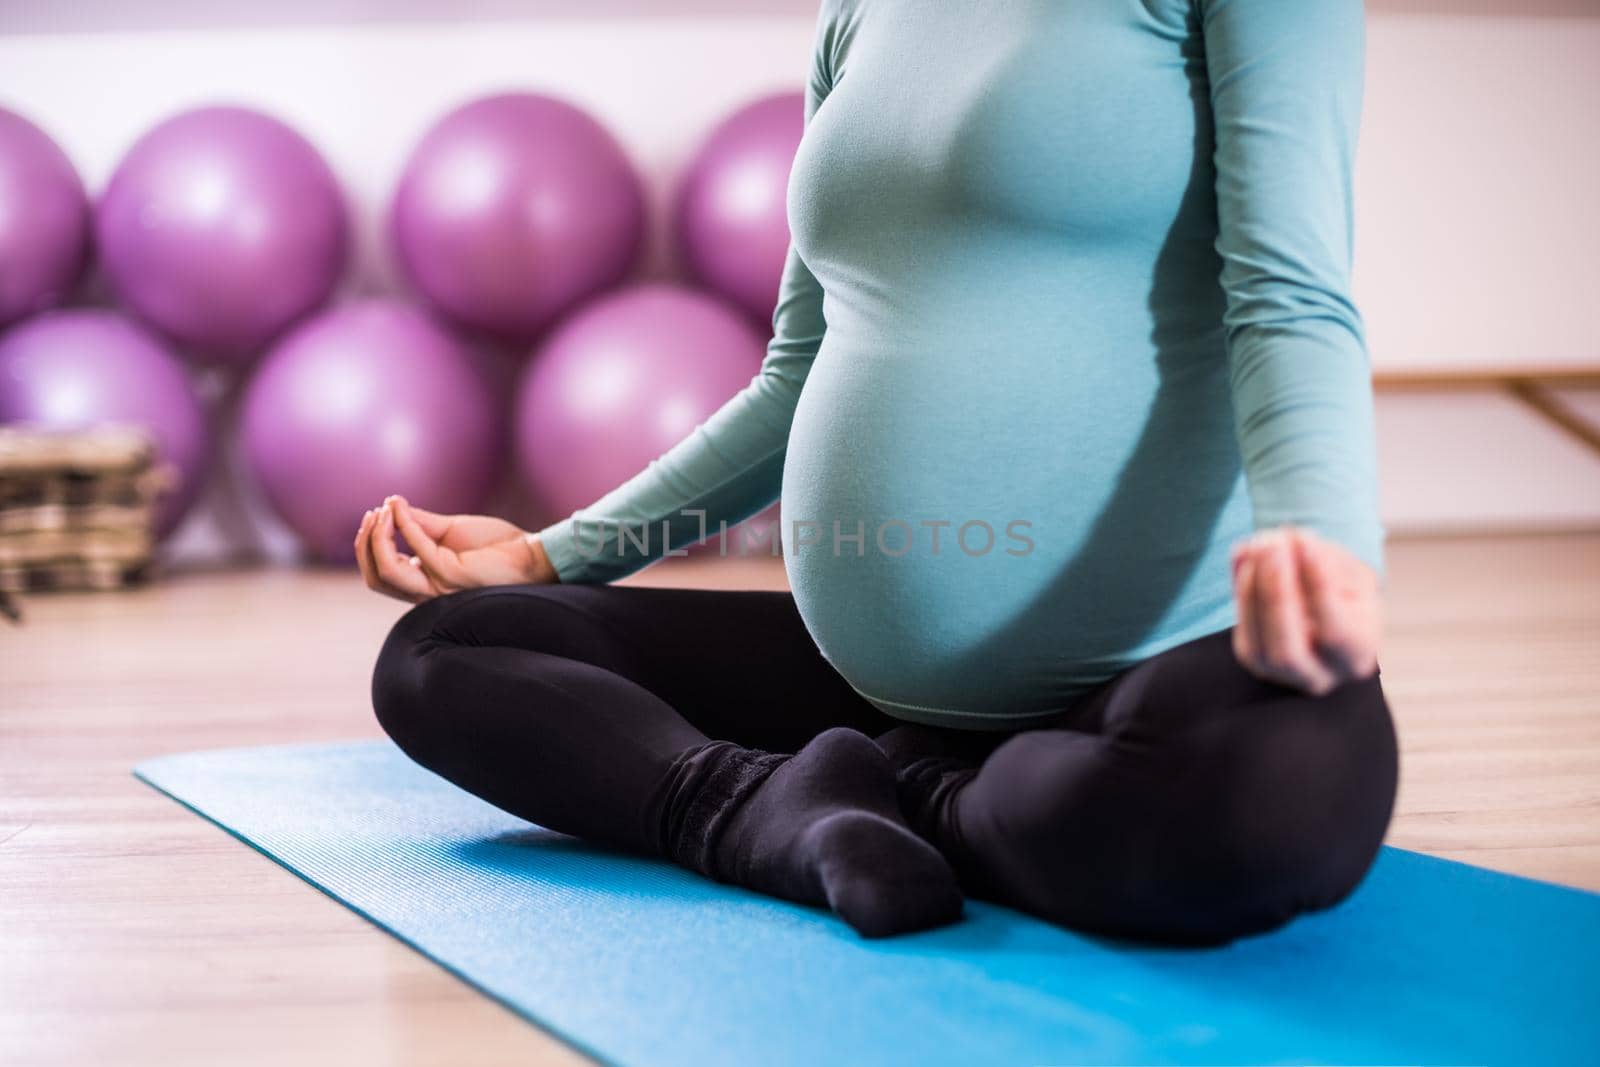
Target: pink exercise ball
[
  {"x": 44, "y": 220},
  {"x": 621, "y": 381},
  {"x": 732, "y": 219},
  {"x": 221, "y": 227},
  {"x": 362, "y": 401},
  {"x": 80, "y": 368},
  {"x": 513, "y": 209}
]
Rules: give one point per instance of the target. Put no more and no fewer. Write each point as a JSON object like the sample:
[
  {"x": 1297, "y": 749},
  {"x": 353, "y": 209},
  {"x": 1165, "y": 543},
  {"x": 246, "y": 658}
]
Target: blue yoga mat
[{"x": 638, "y": 962}]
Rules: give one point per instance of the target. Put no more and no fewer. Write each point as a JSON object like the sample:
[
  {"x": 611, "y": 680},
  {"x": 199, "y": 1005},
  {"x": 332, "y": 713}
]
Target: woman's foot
[{"x": 825, "y": 828}]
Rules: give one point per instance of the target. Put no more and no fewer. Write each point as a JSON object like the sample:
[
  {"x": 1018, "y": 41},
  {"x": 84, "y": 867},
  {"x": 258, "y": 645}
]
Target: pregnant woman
[{"x": 1070, "y": 413}]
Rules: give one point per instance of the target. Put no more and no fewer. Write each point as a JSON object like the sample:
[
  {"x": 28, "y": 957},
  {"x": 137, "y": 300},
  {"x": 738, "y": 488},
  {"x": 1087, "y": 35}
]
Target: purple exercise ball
[
  {"x": 221, "y": 227},
  {"x": 79, "y": 368},
  {"x": 732, "y": 222},
  {"x": 362, "y": 401},
  {"x": 44, "y": 220},
  {"x": 621, "y": 381},
  {"x": 513, "y": 209}
]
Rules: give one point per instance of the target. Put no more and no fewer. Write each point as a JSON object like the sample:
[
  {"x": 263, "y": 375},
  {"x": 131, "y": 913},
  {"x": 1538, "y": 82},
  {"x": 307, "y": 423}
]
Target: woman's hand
[
  {"x": 1310, "y": 613},
  {"x": 452, "y": 552}
]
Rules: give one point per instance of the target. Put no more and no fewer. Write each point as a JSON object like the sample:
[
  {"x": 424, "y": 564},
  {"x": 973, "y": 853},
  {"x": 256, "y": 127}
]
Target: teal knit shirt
[{"x": 1066, "y": 314}]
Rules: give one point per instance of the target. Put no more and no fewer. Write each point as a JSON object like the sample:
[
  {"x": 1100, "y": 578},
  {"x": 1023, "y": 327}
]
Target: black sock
[
  {"x": 820, "y": 827},
  {"x": 931, "y": 765}
]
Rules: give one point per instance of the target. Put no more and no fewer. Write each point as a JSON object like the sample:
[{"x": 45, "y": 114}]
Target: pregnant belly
[{"x": 978, "y": 545}]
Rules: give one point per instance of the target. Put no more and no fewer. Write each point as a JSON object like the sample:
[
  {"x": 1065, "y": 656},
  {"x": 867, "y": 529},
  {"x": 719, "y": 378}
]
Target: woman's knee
[
  {"x": 397, "y": 676},
  {"x": 405, "y": 695},
  {"x": 420, "y": 692},
  {"x": 1288, "y": 803}
]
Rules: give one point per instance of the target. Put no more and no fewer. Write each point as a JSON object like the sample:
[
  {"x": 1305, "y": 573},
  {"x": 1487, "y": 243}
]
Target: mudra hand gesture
[
  {"x": 1310, "y": 611},
  {"x": 450, "y": 552}
]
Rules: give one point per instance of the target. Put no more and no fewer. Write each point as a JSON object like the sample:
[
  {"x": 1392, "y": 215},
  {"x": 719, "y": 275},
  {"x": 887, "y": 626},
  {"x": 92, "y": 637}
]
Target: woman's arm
[
  {"x": 729, "y": 467},
  {"x": 1286, "y": 90},
  {"x": 1286, "y": 86}
]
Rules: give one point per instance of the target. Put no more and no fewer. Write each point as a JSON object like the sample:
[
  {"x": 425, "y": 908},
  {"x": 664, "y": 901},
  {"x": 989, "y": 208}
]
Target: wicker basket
[{"x": 77, "y": 507}]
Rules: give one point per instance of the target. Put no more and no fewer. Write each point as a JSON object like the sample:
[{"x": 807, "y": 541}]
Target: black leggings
[{"x": 1183, "y": 800}]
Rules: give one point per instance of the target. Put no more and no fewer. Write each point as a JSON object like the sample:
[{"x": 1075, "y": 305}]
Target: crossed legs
[{"x": 1182, "y": 801}]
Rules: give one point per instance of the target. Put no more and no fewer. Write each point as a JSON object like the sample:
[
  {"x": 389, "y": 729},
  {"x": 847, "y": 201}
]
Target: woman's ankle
[{"x": 703, "y": 791}]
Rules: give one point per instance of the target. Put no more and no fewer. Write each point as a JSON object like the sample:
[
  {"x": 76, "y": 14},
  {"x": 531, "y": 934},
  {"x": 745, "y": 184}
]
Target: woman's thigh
[{"x": 738, "y": 665}]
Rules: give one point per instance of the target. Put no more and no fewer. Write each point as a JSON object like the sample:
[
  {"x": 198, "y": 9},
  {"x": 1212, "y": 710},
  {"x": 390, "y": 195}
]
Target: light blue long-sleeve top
[{"x": 1066, "y": 314}]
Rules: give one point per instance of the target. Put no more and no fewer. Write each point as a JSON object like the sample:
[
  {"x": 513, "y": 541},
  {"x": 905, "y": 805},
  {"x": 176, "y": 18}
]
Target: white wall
[{"x": 1477, "y": 216}]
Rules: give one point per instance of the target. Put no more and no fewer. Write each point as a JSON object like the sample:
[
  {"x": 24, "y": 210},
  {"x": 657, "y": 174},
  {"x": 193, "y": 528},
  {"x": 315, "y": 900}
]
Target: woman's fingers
[
  {"x": 1344, "y": 606},
  {"x": 432, "y": 523},
  {"x": 364, "y": 554},
  {"x": 1285, "y": 652},
  {"x": 1287, "y": 629},
  {"x": 1264, "y": 594},
  {"x": 1323, "y": 605},
  {"x": 1309, "y": 610},
  {"x": 407, "y": 581},
  {"x": 439, "y": 563},
  {"x": 366, "y": 557},
  {"x": 1246, "y": 642}
]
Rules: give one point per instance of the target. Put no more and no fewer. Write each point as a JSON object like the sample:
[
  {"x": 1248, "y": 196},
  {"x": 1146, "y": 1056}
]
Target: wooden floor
[{"x": 133, "y": 932}]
